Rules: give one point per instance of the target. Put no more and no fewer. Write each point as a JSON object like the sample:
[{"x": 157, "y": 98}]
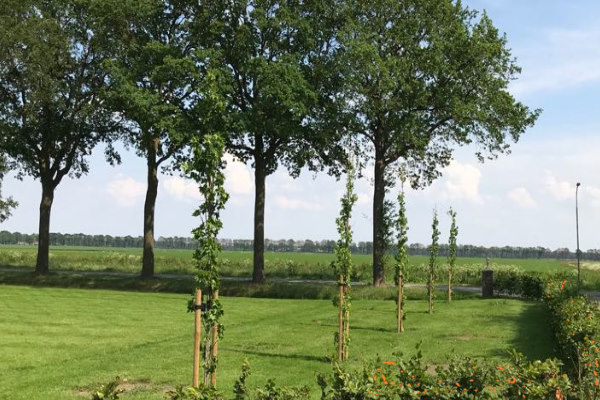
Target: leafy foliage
[
  {"x": 203, "y": 392},
  {"x": 110, "y": 391},
  {"x": 451, "y": 250},
  {"x": 419, "y": 78},
  {"x": 240, "y": 389},
  {"x": 342, "y": 265},
  {"x": 272, "y": 56},
  {"x": 206, "y": 168},
  {"x": 162, "y": 87},
  {"x": 401, "y": 257},
  {"x": 433, "y": 251},
  {"x": 6, "y": 204},
  {"x": 576, "y": 326},
  {"x": 51, "y": 112},
  {"x": 463, "y": 379}
]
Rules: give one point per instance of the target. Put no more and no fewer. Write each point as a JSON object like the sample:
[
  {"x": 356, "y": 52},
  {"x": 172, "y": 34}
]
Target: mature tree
[
  {"x": 276, "y": 81},
  {"x": 157, "y": 80},
  {"x": 51, "y": 115},
  {"x": 420, "y": 77},
  {"x": 6, "y": 204}
]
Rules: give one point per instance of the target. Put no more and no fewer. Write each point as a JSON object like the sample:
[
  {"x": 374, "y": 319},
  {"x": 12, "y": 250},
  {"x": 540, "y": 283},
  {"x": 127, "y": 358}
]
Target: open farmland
[
  {"x": 278, "y": 265},
  {"x": 74, "y": 340}
]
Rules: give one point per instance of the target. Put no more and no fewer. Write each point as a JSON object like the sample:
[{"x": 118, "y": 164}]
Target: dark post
[{"x": 487, "y": 283}]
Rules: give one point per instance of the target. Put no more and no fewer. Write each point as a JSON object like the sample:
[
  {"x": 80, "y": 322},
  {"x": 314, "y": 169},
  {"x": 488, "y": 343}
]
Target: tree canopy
[
  {"x": 161, "y": 86},
  {"x": 51, "y": 112},
  {"x": 420, "y": 78},
  {"x": 273, "y": 55}
]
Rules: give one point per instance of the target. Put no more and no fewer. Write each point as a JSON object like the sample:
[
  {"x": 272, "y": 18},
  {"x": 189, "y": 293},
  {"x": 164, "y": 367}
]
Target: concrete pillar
[{"x": 487, "y": 283}]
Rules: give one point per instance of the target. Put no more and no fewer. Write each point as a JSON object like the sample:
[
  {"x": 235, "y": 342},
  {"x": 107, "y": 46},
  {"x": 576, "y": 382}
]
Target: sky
[{"x": 524, "y": 199}]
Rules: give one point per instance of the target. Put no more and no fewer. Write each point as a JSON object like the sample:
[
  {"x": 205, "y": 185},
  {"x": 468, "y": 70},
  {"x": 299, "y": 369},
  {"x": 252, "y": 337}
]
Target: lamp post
[{"x": 577, "y": 229}]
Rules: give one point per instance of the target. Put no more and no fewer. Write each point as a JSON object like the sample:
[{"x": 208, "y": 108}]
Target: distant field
[
  {"x": 237, "y": 263},
  {"x": 60, "y": 344}
]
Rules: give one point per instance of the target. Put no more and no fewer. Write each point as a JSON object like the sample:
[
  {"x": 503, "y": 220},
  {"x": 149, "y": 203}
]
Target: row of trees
[
  {"x": 291, "y": 245},
  {"x": 286, "y": 83}
]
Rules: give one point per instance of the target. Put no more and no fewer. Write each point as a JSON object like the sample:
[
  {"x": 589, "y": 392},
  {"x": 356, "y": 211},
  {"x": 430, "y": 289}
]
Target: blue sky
[{"x": 524, "y": 199}]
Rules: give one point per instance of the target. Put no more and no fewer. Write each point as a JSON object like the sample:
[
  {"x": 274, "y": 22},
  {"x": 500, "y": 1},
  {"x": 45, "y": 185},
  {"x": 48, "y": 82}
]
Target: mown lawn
[{"x": 62, "y": 343}]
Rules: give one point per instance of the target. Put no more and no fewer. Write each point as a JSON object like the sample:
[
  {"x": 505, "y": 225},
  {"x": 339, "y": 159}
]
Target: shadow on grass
[
  {"x": 534, "y": 337},
  {"x": 321, "y": 359}
]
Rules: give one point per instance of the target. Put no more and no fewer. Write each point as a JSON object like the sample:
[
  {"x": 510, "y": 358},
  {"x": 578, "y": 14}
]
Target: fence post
[
  {"x": 487, "y": 283},
  {"x": 197, "y": 336}
]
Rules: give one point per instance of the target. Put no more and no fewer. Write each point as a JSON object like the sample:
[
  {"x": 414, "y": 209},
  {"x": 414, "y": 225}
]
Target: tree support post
[
  {"x": 341, "y": 325},
  {"x": 197, "y": 337},
  {"x": 400, "y": 305}
]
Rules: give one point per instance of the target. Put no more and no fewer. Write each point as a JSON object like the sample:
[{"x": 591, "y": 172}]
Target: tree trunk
[
  {"x": 41, "y": 266},
  {"x": 341, "y": 324},
  {"x": 214, "y": 349},
  {"x": 149, "y": 205},
  {"x": 378, "y": 223},
  {"x": 450, "y": 283},
  {"x": 258, "y": 275}
]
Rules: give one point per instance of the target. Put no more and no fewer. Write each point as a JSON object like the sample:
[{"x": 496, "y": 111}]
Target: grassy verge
[
  {"x": 62, "y": 343},
  {"x": 228, "y": 288}
]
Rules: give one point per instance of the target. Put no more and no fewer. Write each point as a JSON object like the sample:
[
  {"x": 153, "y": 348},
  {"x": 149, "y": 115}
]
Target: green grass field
[
  {"x": 62, "y": 343},
  {"x": 277, "y": 265}
]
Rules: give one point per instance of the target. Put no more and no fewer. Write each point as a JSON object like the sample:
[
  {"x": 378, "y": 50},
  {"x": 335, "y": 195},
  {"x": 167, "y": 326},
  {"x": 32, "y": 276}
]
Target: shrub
[
  {"x": 463, "y": 379},
  {"x": 110, "y": 391}
]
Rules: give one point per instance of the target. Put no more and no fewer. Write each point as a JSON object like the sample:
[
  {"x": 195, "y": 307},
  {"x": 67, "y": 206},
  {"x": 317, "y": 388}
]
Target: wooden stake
[
  {"x": 400, "y": 303},
  {"x": 346, "y": 326},
  {"x": 341, "y": 325},
  {"x": 197, "y": 337},
  {"x": 215, "y": 344}
]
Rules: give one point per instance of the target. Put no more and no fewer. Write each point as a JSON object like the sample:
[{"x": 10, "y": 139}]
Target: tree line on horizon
[
  {"x": 286, "y": 83},
  {"x": 294, "y": 246}
]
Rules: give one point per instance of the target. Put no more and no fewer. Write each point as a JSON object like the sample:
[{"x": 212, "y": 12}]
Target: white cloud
[
  {"x": 521, "y": 198},
  {"x": 560, "y": 59},
  {"x": 560, "y": 190},
  {"x": 125, "y": 190},
  {"x": 364, "y": 198},
  {"x": 591, "y": 192},
  {"x": 287, "y": 203},
  {"x": 182, "y": 189},
  {"x": 462, "y": 183},
  {"x": 238, "y": 178}
]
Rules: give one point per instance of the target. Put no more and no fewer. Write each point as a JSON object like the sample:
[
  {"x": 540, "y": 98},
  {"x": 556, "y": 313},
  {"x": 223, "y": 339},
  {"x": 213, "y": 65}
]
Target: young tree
[
  {"x": 206, "y": 168},
  {"x": 422, "y": 76},
  {"x": 342, "y": 265},
  {"x": 276, "y": 81},
  {"x": 158, "y": 79},
  {"x": 433, "y": 252},
  {"x": 402, "y": 255},
  {"x": 51, "y": 114},
  {"x": 451, "y": 250}
]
